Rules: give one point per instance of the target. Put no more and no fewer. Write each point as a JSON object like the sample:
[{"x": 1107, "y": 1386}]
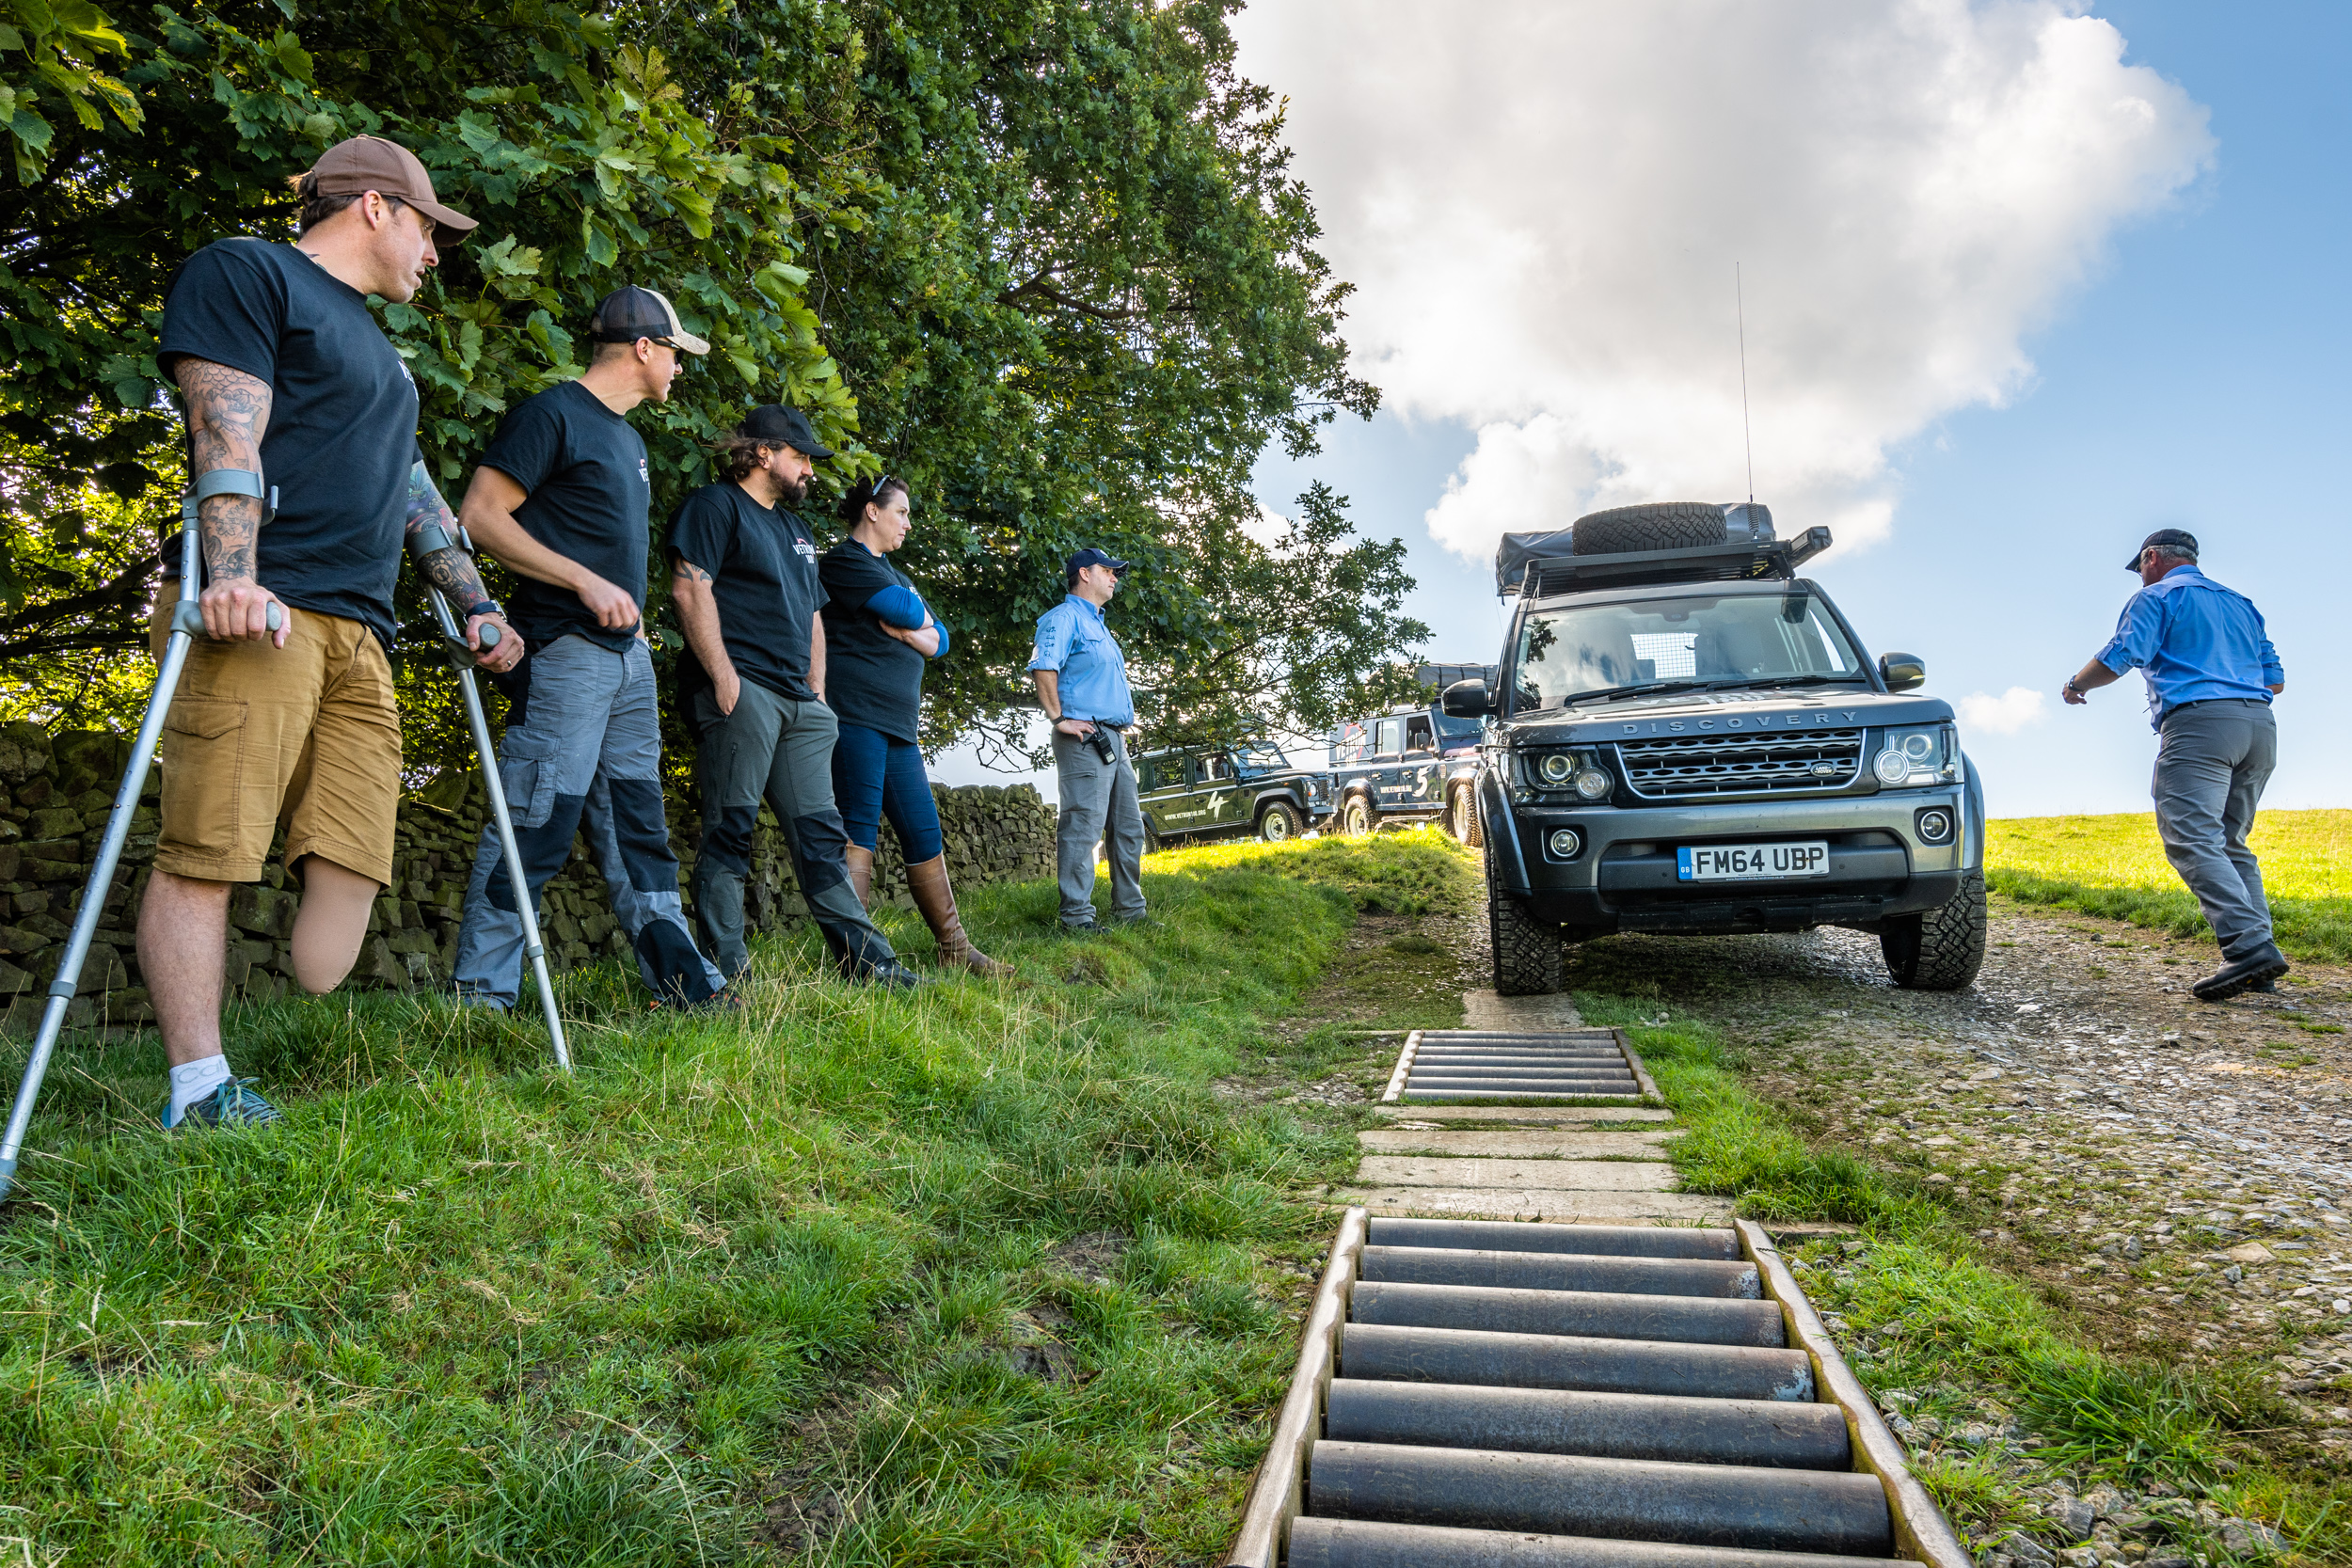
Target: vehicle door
[
  {"x": 1219, "y": 793},
  {"x": 1160, "y": 790},
  {"x": 1418, "y": 772},
  {"x": 1390, "y": 788},
  {"x": 1351, "y": 745}
]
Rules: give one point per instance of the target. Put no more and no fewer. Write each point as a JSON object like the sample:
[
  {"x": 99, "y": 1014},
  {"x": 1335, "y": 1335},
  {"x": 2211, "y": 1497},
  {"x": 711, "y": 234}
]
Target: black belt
[{"x": 2209, "y": 702}]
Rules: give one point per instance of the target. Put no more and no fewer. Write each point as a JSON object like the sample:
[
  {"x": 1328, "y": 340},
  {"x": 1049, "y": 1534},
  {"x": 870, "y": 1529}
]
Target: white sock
[{"x": 192, "y": 1081}]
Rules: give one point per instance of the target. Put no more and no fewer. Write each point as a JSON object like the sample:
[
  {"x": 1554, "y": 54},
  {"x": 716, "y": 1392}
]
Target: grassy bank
[
  {"x": 982, "y": 1274},
  {"x": 2114, "y": 866},
  {"x": 1920, "y": 1310}
]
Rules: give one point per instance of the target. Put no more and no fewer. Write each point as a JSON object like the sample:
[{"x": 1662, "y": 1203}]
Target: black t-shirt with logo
[
  {"x": 341, "y": 437},
  {"x": 763, "y": 566},
  {"x": 591, "y": 500},
  {"x": 871, "y": 679}
]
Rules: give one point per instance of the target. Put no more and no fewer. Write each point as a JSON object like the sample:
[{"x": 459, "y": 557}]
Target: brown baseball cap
[{"x": 372, "y": 164}]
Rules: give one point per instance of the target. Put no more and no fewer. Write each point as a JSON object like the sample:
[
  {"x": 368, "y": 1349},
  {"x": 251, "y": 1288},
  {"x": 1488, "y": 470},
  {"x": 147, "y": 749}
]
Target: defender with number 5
[{"x": 1689, "y": 739}]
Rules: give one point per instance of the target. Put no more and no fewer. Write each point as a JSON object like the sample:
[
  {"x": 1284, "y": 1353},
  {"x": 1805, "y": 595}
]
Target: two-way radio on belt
[{"x": 187, "y": 620}]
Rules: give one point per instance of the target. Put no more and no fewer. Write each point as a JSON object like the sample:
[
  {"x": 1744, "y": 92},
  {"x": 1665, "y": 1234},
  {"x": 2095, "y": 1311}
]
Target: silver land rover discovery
[{"x": 1691, "y": 740}]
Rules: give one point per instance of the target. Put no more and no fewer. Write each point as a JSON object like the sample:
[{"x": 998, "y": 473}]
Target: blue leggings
[{"x": 873, "y": 774}]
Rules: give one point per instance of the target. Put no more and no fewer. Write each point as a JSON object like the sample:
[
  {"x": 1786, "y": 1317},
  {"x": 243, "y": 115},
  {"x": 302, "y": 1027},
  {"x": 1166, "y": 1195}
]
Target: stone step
[
  {"x": 1517, "y": 1143},
  {"x": 1560, "y": 1206},
  {"x": 1596, "y": 1176},
  {"x": 1519, "y": 1116}
]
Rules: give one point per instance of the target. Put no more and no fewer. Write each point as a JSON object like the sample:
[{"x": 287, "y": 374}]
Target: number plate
[{"x": 1750, "y": 863}]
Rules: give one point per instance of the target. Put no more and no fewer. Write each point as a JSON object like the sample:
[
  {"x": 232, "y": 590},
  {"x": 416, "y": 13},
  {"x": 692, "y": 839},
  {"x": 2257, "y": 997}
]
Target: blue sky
[
  {"x": 2196, "y": 378},
  {"x": 1998, "y": 332}
]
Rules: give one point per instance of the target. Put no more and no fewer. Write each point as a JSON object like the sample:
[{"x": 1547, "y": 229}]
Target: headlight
[
  {"x": 1595, "y": 783},
  {"x": 1557, "y": 768},
  {"x": 1917, "y": 754}
]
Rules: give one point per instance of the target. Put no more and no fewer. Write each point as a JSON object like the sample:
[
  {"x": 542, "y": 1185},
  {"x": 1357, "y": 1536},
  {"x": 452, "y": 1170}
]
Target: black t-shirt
[
  {"x": 871, "y": 679},
  {"x": 341, "y": 435},
  {"x": 590, "y": 498},
  {"x": 763, "y": 566}
]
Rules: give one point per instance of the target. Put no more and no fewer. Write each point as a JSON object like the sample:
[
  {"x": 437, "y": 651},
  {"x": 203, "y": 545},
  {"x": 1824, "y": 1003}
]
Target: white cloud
[
  {"x": 2005, "y": 714},
  {"x": 1541, "y": 202}
]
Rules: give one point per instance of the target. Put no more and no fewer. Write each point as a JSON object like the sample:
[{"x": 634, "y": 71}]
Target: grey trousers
[
  {"x": 1098, "y": 805},
  {"x": 582, "y": 754},
  {"x": 2212, "y": 762},
  {"x": 781, "y": 748}
]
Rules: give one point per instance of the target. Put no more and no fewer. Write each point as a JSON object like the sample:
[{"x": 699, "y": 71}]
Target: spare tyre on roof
[{"x": 1652, "y": 526}]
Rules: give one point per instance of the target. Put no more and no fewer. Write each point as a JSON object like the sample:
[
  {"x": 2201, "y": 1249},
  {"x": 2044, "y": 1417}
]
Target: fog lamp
[{"x": 1565, "y": 843}]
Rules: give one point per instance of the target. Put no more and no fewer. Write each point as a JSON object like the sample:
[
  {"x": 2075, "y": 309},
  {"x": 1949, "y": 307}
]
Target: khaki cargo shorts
[{"x": 306, "y": 736}]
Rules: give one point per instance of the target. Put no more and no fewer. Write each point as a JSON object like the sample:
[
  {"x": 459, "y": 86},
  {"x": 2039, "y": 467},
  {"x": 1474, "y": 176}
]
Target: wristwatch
[
  {"x": 486, "y": 607},
  {"x": 2069, "y": 689}
]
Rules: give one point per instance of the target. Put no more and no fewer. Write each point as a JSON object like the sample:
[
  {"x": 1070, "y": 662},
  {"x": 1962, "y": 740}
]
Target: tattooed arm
[
  {"x": 489, "y": 516},
  {"x": 227, "y": 412},
  {"x": 698, "y": 612},
  {"x": 452, "y": 571}
]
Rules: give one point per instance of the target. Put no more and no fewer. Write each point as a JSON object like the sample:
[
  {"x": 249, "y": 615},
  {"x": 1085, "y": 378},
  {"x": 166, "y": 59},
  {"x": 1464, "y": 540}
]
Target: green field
[
  {"x": 982, "y": 1274},
  {"x": 2114, "y": 866}
]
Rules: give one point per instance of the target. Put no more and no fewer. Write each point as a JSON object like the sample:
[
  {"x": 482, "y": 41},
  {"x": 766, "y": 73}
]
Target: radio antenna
[{"x": 1740, "y": 302}]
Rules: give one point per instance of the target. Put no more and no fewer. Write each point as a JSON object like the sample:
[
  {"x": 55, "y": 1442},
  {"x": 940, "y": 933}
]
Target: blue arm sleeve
[
  {"x": 2138, "y": 635},
  {"x": 898, "y": 607},
  {"x": 941, "y": 627}
]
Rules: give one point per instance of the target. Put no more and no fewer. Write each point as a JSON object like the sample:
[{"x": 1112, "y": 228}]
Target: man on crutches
[{"x": 287, "y": 378}]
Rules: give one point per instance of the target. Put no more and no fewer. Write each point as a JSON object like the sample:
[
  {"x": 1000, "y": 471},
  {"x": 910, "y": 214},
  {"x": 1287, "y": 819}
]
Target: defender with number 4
[{"x": 1689, "y": 739}]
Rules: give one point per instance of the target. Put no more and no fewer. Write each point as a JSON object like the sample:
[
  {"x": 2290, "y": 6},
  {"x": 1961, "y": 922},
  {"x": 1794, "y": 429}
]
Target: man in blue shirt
[
  {"x": 2211, "y": 673},
  {"x": 1082, "y": 684}
]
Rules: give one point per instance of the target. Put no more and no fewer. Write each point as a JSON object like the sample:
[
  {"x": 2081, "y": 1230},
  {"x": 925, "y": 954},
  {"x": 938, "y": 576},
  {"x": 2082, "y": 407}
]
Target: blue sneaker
[{"x": 232, "y": 1104}]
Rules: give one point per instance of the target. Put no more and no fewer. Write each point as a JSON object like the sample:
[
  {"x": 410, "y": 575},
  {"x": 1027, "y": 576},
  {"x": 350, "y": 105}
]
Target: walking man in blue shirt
[
  {"x": 1082, "y": 684},
  {"x": 2211, "y": 673}
]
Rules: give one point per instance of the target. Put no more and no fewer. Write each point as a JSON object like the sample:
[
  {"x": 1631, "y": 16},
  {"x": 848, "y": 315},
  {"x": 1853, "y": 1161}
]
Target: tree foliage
[{"x": 1044, "y": 260}]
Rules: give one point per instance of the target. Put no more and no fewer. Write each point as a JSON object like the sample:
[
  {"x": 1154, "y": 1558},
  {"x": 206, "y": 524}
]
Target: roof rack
[{"x": 1551, "y": 576}]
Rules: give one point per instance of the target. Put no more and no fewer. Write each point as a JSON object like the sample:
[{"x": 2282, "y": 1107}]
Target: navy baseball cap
[
  {"x": 1090, "y": 557},
  {"x": 630, "y": 313},
  {"x": 2179, "y": 539},
  {"x": 773, "y": 421}
]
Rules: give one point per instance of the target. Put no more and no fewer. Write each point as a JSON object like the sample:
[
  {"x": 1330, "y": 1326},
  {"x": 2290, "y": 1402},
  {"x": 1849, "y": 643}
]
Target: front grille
[{"x": 1698, "y": 765}]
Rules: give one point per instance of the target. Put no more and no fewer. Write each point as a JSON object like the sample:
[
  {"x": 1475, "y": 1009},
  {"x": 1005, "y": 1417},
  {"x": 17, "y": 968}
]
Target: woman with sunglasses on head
[{"x": 877, "y": 635}]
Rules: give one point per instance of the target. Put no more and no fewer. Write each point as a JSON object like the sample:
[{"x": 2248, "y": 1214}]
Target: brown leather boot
[
  {"x": 927, "y": 882},
  {"x": 859, "y": 863}
]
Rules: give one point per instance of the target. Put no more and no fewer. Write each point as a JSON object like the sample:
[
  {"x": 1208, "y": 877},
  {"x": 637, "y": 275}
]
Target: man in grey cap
[
  {"x": 2211, "y": 674},
  {"x": 563, "y": 498},
  {"x": 743, "y": 575},
  {"x": 1081, "y": 677}
]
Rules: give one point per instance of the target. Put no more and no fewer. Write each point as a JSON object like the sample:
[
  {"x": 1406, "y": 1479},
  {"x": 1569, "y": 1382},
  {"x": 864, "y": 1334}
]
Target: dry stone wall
[{"x": 55, "y": 792}]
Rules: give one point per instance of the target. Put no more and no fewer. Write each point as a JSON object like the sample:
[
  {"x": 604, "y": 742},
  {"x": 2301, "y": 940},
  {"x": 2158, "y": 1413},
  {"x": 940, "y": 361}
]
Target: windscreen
[
  {"x": 1658, "y": 644},
  {"x": 1257, "y": 757}
]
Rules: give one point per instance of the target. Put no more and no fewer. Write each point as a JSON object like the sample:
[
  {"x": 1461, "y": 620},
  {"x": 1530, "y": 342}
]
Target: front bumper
[{"x": 1624, "y": 878}]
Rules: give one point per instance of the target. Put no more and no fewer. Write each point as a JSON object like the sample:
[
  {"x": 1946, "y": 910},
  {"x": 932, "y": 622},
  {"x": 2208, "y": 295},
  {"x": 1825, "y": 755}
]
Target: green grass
[
  {"x": 982, "y": 1274},
  {"x": 2114, "y": 866},
  {"x": 1940, "y": 1315}
]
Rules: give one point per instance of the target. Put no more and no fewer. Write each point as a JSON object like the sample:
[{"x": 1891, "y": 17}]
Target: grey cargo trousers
[
  {"x": 780, "y": 748},
  {"x": 1098, "y": 805},
  {"x": 582, "y": 754},
  {"x": 2211, "y": 760}
]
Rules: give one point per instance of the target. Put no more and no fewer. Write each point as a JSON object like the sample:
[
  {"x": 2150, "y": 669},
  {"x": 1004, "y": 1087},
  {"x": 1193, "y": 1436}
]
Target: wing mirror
[
  {"x": 1902, "y": 672},
  {"x": 1467, "y": 700}
]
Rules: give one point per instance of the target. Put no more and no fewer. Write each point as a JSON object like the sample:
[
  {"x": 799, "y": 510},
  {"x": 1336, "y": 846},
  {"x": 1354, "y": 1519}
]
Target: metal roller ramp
[
  {"x": 1482, "y": 1394},
  {"x": 1456, "y": 1065}
]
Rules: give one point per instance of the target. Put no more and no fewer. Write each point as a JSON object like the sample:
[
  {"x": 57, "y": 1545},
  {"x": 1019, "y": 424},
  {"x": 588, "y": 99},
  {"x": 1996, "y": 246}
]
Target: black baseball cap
[
  {"x": 773, "y": 421},
  {"x": 627, "y": 314},
  {"x": 2179, "y": 539},
  {"x": 1091, "y": 557}
]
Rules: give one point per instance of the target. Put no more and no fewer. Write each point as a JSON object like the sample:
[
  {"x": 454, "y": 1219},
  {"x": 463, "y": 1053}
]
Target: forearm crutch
[
  {"x": 188, "y": 622},
  {"x": 461, "y": 661}
]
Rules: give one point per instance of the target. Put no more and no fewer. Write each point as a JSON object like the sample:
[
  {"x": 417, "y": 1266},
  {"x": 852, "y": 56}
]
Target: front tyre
[
  {"x": 1278, "y": 823},
  {"x": 1526, "y": 950},
  {"x": 1461, "y": 816},
  {"x": 1356, "y": 817},
  {"x": 1943, "y": 948}
]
